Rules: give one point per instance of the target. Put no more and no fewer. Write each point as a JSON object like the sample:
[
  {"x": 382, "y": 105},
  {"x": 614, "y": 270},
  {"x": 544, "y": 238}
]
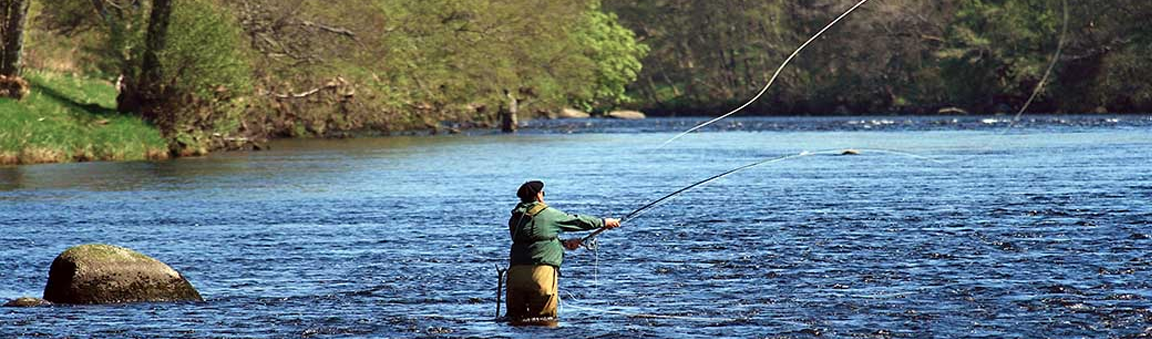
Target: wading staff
[{"x": 499, "y": 287}]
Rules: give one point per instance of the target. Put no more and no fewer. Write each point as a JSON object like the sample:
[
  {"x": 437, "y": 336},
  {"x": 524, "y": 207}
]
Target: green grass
[{"x": 67, "y": 118}]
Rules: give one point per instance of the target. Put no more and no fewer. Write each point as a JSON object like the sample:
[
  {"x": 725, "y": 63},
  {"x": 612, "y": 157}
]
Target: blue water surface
[{"x": 1042, "y": 231}]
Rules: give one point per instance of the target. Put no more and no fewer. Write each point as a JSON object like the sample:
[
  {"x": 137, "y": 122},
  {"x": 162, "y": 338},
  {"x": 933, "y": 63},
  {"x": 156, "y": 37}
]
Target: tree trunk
[
  {"x": 508, "y": 115},
  {"x": 15, "y": 16},
  {"x": 146, "y": 97}
]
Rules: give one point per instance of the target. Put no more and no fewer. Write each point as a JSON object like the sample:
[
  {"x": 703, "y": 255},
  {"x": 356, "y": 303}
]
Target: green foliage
[
  {"x": 999, "y": 47},
  {"x": 889, "y": 56},
  {"x": 451, "y": 53},
  {"x": 207, "y": 73},
  {"x": 615, "y": 54},
  {"x": 205, "y": 54},
  {"x": 124, "y": 39}
]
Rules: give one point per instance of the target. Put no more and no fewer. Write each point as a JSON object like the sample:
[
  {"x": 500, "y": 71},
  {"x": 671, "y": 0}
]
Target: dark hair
[{"x": 527, "y": 191}]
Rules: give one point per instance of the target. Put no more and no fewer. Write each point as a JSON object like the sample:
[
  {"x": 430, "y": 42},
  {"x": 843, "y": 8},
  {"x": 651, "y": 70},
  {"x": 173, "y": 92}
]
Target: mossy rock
[{"x": 106, "y": 274}]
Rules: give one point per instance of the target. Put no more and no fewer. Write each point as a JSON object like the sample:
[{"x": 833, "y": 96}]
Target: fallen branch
[
  {"x": 330, "y": 29},
  {"x": 297, "y": 95},
  {"x": 335, "y": 84}
]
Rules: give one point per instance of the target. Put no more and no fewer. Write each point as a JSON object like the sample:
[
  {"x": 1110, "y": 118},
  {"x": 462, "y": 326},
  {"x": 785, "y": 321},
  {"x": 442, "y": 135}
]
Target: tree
[
  {"x": 615, "y": 54},
  {"x": 15, "y": 15},
  {"x": 146, "y": 96}
]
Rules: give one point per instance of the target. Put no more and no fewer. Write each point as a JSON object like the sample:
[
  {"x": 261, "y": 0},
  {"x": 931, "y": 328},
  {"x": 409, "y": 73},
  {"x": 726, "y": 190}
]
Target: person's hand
[
  {"x": 610, "y": 223},
  {"x": 572, "y": 244}
]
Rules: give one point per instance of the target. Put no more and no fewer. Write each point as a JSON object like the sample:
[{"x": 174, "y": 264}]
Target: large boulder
[
  {"x": 626, "y": 115},
  {"x": 106, "y": 274},
  {"x": 572, "y": 113}
]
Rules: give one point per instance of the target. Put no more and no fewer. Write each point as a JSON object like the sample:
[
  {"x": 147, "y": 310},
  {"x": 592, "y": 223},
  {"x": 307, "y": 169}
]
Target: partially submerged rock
[
  {"x": 106, "y": 274},
  {"x": 952, "y": 110},
  {"x": 850, "y": 152},
  {"x": 28, "y": 302},
  {"x": 626, "y": 115},
  {"x": 572, "y": 113}
]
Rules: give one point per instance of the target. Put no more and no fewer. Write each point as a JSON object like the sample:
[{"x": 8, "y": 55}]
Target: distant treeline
[
  {"x": 891, "y": 56},
  {"x": 211, "y": 72}
]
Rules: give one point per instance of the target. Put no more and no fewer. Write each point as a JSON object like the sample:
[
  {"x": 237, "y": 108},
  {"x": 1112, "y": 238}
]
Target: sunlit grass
[{"x": 67, "y": 118}]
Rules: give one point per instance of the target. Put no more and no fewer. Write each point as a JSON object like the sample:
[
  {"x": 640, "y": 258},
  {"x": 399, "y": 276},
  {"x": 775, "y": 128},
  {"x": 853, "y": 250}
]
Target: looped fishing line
[
  {"x": 1015, "y": 119},
  {"x": 774, "y": 75},
  {"x": 590, "y": 240}
]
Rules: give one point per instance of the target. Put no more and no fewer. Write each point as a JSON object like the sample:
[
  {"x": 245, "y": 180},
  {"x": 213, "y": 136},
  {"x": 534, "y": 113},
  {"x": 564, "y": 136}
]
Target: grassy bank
[{"x": 68, "y": 118}]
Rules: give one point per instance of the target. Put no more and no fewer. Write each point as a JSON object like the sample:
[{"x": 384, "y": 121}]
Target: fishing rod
[
  {"x": 639, "y": 211},
  {"x": 589, "y": 240}
]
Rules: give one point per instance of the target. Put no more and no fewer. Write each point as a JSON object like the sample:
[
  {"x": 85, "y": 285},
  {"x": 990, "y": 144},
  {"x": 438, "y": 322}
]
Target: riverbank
[{"x": 67, "y": 118}]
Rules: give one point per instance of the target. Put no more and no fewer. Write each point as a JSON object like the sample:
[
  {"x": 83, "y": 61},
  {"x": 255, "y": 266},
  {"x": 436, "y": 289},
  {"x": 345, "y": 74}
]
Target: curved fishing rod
[
  {"x": 774, "y": 75},
  {"x": 639, "y": 211}
]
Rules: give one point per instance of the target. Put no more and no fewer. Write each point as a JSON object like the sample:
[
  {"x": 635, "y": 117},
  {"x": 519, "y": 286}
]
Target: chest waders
[{"x": 532, "y": 212}]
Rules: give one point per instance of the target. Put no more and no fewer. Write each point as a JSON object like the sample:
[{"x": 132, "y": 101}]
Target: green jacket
[{"x": 536, "y": 239}]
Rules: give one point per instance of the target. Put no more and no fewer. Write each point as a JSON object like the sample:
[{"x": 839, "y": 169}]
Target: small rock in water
[
  {"x": 952, "y": 110},
  {"x": 571, "y": 113},
  {"x": 850, "y": 152},
  {"x": 812, "y": 332},
  {"x": 440, "y": 330},
  {"x": 28, "y": 302},
  {"x": 626, "y": 115}
]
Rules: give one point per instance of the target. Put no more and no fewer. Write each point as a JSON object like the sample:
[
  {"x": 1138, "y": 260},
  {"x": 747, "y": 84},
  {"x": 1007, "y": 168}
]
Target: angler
[{"x": 537, "y": 253}]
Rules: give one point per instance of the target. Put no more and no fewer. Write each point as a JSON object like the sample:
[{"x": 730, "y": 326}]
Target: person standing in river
[{"x": 537, "y": 252}]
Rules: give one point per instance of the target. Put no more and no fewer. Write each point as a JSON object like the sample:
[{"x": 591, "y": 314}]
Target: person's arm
[{"x": 577, "y": 223}]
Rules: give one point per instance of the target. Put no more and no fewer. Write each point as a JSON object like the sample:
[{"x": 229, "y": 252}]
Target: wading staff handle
[{"x": 499, "y": 288}]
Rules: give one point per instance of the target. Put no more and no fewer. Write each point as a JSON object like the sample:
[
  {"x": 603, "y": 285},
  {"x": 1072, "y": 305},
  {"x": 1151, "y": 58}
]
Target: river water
[{"x": 1040, "y": 232}]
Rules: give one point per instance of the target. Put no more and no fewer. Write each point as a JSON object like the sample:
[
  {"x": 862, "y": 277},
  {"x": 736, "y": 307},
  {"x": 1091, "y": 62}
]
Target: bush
[
  {"x": 615, "y": 54},
  {"x": 206, "y": 73},
  {"x": 204, "y": 54}
]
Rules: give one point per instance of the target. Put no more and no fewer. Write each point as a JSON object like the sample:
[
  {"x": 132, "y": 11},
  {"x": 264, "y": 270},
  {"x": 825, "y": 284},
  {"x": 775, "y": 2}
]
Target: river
[{"x": 1043, "y": 231}]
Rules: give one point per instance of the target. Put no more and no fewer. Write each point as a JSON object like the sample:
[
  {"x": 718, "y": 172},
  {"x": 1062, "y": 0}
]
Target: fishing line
[
  {"x": 1062, "y": 41},
  {"x": 774, "y": 76},
  {"x": 1039, "y": 86},
  {"x": 592, "y": 245},
  {"x": 1047, "y": 73},
  {"x": 590, "y": 242}
]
